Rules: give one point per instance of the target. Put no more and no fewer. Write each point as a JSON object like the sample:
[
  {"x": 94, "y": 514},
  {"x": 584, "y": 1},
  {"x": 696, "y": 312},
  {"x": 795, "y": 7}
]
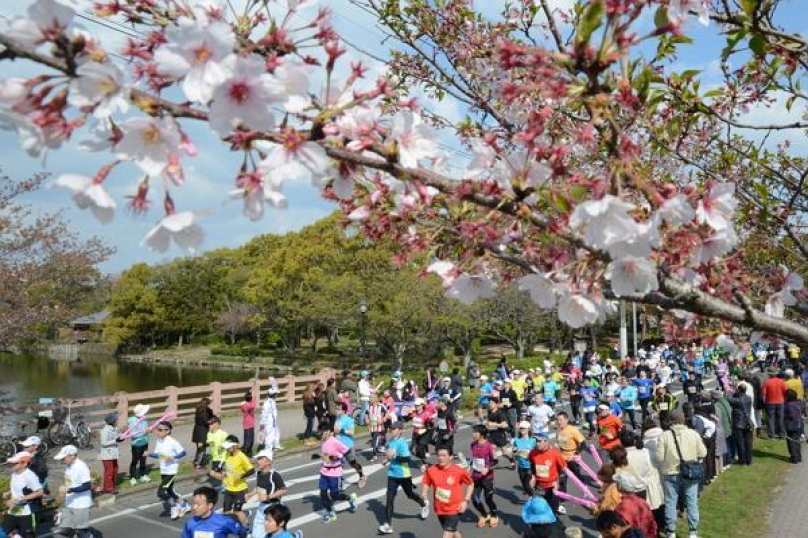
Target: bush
[{"x": 329, "y": 350}]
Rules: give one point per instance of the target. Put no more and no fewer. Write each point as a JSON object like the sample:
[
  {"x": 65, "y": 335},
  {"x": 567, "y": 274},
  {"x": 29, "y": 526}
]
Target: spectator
[
  {"x": 793, "y": 424},
  {"x": 677, "y": 445},
  {"x": 247, "y": 409},
  {"x": 109, "y": 453},
  {"x": 540, "y": 520},
  {"x": 139, "y": 434},
  {"x": 365, "y": 391},
  {"x": 611, "y": 525},
  {"x": 199, "y": 434},
  {"x": 774, "y": 397},
  {"x": 633, "y": 507},
  {"x": 310, "y": 412},
  {"x": 742, "y": 425}
]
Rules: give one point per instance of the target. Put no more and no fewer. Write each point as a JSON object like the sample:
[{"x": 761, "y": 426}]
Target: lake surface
[{"x": 27, "y": 378}]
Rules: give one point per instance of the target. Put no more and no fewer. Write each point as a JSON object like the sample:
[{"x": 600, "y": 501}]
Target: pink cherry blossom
[
  {"x": 522, "y": 169},
  {"x": 88, "y": 193},
  {"x": 200, "y": 53},
  {"x": 676, "y": 211},
  {"x": 416, "y": 140},
  {"x": 296, "y": 157},
  {"x": 446, "y": 270},
  {"x": 605, "y": 222},
  {"x": 718, "y": 244},
  {"x": 468, "y": 288},
  {"x": 13, "y": 91},
  {"x": 100, "y": 87},
  {"x": 631, "y": 276},
  {"x": 149, "y": 143},
  {"x": 717, "y": 208},
  {"x": 243, "y": 99},
  {"x": 484, "y": 158}
]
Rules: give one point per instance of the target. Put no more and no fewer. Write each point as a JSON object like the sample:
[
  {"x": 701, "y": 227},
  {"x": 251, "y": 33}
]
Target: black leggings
[
  {"x": 328, "y": 498},
  {"x": 484, "y": 488},
  {"x": 524, "y": 478},
  {"x": 392, "y": 488},
  {"x": 138, "y": 460}
]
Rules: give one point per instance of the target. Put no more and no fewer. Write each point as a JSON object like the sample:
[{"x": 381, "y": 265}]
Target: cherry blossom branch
[{"x": 552, "y": 25}]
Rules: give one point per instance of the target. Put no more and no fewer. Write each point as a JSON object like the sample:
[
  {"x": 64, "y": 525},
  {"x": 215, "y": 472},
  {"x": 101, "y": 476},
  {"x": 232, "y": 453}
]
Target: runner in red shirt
[
  {"x": 609, "y": 427},
  {"x": 547, "y": 463},
  {"x": 451, "y": 498}
]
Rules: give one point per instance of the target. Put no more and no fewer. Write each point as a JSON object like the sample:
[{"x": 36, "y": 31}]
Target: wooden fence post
[
  {"x": 290, "y": 388},
  {"x": 216, "y": 397},
  {"x": 122, "y": 409},
  {"x": 172, "y": 404},
  {"x": 256, "y": 389}
]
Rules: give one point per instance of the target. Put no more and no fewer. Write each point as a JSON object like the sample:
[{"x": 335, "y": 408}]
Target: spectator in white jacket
[
  {"x": 270, "y": 435},
  {"x": 365, "y": 391}
]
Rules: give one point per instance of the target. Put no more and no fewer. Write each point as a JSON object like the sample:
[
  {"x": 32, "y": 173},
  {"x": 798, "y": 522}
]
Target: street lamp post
[{"x": 363, "y": 313}]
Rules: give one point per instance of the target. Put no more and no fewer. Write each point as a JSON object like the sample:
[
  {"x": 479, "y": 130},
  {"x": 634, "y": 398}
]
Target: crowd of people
[{"x": 637, "y": 455}]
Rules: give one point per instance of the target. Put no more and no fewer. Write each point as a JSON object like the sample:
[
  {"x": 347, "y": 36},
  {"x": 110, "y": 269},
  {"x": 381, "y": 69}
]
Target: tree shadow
[{"x": 759, "y": 453}]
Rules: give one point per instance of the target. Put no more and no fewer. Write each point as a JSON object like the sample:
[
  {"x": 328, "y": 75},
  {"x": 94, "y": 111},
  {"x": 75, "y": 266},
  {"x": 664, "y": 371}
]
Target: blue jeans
[
  {"x": 690, "y": 488},
  {"x": 364, "y": 405}
]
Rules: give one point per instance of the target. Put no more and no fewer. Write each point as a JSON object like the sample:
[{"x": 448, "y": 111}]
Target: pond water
[{"x": 27, "y": 378}]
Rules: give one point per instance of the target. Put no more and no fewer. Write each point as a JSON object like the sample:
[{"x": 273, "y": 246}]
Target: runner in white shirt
[
  {"x": 169, "y": 452},
  {"x": 77, "y": 491},
  {"x": 25, "y": 487},
  {"x": 540, "y": 414}
]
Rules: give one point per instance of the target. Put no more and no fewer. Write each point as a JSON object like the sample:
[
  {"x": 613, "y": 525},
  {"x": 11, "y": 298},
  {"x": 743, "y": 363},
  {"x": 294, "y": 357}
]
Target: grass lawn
[{"x": 737, "y": 504}]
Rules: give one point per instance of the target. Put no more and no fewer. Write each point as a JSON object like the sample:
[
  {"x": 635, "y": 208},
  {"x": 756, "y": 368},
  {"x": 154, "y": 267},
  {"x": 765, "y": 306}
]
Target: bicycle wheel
[
  {"x": 83, "y": 435},
  {"x": 55, "y": 433},
  {"x": 7, "y": 449},
  {"x": 43, "y": 448}
]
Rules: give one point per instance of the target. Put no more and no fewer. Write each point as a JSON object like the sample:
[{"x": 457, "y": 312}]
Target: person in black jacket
[
  {"x": 39, "y": 464},
  {"x": 199, "y": 435},
  {"x": 742, "y": 425},
  {"x": 793, "y": 422}
]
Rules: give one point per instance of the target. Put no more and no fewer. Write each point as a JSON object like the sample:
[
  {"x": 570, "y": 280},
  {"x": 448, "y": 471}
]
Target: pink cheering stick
[
  {"x": 595, "y": 455},
  {"x": 168, "y": 415},
  {"x": 588, "y": 494},
  {"x": 587, "y": 469},
  {"x": 128, "y": 433},
  {"x": 573, "y": 499}
]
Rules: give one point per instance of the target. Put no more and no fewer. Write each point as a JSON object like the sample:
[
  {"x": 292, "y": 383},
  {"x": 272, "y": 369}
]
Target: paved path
[{"x": 789, "y": 518}]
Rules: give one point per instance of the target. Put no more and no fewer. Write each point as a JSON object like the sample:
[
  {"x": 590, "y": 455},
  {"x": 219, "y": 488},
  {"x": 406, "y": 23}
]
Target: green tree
[{"x": 135, "y": 309}]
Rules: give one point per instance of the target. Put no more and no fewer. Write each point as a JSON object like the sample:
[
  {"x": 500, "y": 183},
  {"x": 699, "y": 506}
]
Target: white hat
[
  {"x": 140, "y": 410},
  {"x": 32, "y": 441},
  {"x": 20, "y": 457},
  {"x": 227, "y": 445},
  {"x": 67, "y": 450},
  {"x": 266, "y": 453},
  {"x": 445, "y": 379},
  {"x": 516, "y": 372},
  {"x": 484, "y": 377},
  {"x": 524, "y": 425},
  {"x": 419, "y": 401},
  {"x": 604, "y": 407}
]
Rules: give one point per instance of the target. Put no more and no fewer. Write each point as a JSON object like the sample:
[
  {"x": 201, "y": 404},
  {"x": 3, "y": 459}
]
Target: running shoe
[
  {"x": 362, "y": 481},
  {"x": 562, "y": 510},
  {"x": 330, "y": 517},
  {"x": 385, "y": 529},
  {"x": 353, "y": 499},
  {"x": 145, "y": 479},
  {"x": 482, "y": 522},
  {"x": 184, "y": 509},
  {"x": 133, "y": 481},
  {"x": 494, "y": 521},
  {"x": 425, "y": 510},
  {"x": 175, "y": 512}
]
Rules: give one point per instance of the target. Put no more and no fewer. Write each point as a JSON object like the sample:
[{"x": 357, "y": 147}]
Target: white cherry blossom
[
  {"x": 523, "y": 169},
  {"x": 718, "y": 244},
  {"x": 541, "y": 289},
  {"x": 484, "y": 158},
  {"x": 416, "y": 140},
  {"x": 149, "y": 143},
  {"x": 632, "y": 276},
  {"x": 12, "y": 91},
  {"x": 468, "y": 288},
  {"x": 605, "y": 222},
  {"x": 676, "y": 211},
  {"x": 180, "y": 227},
  {"x": 577, "y": 311},
  {"x": 718, "y": 206},
  {"x": 32, "y": 138},
  {"x": 100, "y": 86},
  {"x": 295, "y": 159},
  {"x": 289, "y": 86},
  {"x": 242, "y": 100},
  {"x": 201, "y": 54},
  {"x": 88, "y": 194},
  {"x": 359, "y": 214}
]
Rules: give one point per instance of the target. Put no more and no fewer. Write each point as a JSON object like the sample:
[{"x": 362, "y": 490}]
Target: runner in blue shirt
[
  {"x": 645, "y": 390},
  {"x": 549, "y": 388},
  {"x": 522, "y": 445},
  {"x": 206, "y": 522},
  {"x": 589, "y": 394},
  {"x": 399, "y": 474},
  {"x": 627, "y": 394},
  {"x": 276, "y": 519}
]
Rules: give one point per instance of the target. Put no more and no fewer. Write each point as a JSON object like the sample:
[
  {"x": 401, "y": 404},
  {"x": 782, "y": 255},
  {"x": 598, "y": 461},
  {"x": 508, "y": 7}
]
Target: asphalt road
[{"x": 136, "y": 515}]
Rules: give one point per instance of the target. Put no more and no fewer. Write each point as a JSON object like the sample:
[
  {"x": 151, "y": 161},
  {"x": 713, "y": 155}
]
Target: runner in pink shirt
[{"x": 332, "y": 451}]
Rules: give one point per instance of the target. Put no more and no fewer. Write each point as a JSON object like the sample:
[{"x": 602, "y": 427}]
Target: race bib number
[
  {"x": 523, "y": 453},
  {"x": 562, "y": 440},
  {"x": 16, "y": 511},
  {"x": 261, "y": 492},
  {"x": 663, "y": 406},
  {"x": 442, "y": 495},
  {"x": 542, "y": 471},
  {"x": 478, "y": 464},
  {"x": 442, "y": 424},
  {"x": 506, "y": 401},
  {"x": 204, "y": 534}
]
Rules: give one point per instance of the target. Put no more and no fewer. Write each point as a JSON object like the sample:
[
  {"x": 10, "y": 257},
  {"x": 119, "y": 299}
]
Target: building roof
[{"x": 91, "y": 319}]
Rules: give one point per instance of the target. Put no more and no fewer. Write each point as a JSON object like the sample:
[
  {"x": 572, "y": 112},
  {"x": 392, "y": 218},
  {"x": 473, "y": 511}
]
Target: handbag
[{"x": 691, "y": 470}]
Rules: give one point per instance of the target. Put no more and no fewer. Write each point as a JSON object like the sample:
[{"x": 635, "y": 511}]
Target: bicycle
[
  {"x": 11, "y": 440},
  {"x": 63, "y": 430}
]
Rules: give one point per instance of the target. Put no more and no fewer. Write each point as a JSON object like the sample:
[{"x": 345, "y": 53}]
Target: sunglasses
[{"x": 163, "y": 430}]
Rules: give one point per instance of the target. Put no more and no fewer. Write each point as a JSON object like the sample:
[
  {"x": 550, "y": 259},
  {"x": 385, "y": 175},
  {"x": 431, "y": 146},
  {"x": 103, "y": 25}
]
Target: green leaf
[
  {"x": 758, "y": 45},
  {"x": 749, "y": 7},
  {"x": 661, "y": 17},
  {"x": 590, "y": 21}
]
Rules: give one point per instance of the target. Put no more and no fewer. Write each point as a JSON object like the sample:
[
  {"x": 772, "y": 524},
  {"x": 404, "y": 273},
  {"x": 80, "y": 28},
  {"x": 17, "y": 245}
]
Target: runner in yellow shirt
[{"x": 237, "y": 467}]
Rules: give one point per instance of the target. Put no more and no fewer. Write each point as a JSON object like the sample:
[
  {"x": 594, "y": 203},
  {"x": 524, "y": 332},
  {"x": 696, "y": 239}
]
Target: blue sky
[{"x": 210, "y": 175}]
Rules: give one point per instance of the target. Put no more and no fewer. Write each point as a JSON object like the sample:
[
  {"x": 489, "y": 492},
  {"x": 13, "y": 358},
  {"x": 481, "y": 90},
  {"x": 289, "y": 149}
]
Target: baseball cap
[
  {"x": 419, "y": 401},
  {"x": 542, "y": 436},
  {"x": 604, "y": 407},
  {"x": 397, "y": 425},
  {"x": 32, "y": 441},
  {"x": 20, "y": 457},
  {"x": 67, "y": 450},
  {"x": 266, "y": 453}
]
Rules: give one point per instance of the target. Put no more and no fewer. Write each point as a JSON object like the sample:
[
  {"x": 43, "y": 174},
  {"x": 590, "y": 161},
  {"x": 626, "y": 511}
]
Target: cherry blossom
[
  {"x": 32, "y": 138},
  {"x": 181, "y": 227},
  {"x": 88, "y": 193},
  {"x": 577, "y": 311},
  {"x": 631, "y": 276},
  {"x": 295, "y": 158},
  {"x": 776, "y": 303},
  {"x": 289, "y": 86},
  {"x": 717, "y": 208},
  {"x": 484, "y": 158},
  {"x": 46, "y": 18},
  {"x": 416, "y": 140},
  {"x": 468, "y": 288},
  {"x": 149, "y": 143},
  {"x": 523, "y": 171},
  {"x": 605, "y": 222},
  {"x": 12, "y": 91},
  {"x": 200, "y": 53},
  {"x": 541, "y": 289},
  {"x": 676, "y": 211},
  {"x": 446, "y": 270},
  {"x": 242, "y": 100},
  {"x": 718, "y": 244},
  {"x": 100, "y": 87},
  {"x": 359, "y": 214}
]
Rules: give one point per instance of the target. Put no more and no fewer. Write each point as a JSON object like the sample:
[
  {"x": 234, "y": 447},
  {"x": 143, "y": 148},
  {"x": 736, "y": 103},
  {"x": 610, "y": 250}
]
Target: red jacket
[
  {"x": 774, "y": 391},
  {"x": 636, "y": 512}
]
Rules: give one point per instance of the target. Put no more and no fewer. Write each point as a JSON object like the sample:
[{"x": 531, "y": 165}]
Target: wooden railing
[{"x": 182, "y": 400}]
